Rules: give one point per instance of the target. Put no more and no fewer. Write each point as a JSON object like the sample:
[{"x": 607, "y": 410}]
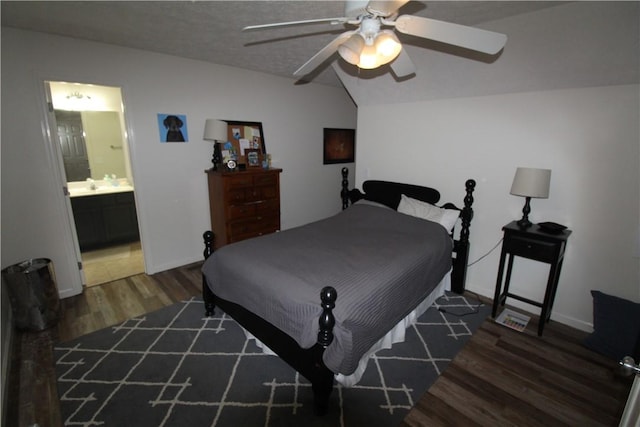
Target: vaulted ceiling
[
  {"x": 211, "y": 30},
  {"x": 551, "y": 45}
]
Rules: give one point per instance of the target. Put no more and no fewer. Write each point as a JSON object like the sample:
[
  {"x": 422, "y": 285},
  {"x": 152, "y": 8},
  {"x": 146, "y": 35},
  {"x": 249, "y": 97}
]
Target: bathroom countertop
[{"x": 82, "y": 189}]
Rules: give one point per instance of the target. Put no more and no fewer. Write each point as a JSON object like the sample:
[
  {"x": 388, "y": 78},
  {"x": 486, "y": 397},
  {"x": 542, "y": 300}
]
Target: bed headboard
[{"x": 389, "y": 194}]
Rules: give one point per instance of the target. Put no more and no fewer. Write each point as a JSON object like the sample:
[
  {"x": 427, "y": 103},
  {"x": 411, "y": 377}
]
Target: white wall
[
  {"x": 562, "y": 95},
  {"x": 590, "y": 140},
  {"x": 568, "y": 45},
  {"x": 169, "y": 179}
]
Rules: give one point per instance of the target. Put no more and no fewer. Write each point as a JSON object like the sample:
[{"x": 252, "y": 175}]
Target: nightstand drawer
[{"x": 532, "y": 249}]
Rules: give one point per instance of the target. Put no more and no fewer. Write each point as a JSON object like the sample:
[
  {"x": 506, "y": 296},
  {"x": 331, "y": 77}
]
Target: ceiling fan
[{"x": 371, "y": 45}]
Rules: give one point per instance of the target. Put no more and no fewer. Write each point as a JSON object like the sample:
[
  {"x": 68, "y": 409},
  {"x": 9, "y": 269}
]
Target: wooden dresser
[{"x": 243, "y": 204}]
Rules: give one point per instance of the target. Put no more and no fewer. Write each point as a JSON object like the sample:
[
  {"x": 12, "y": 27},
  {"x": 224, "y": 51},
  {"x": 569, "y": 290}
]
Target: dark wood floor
[
  {"x": 507, "y": 378},
  {"x": 501, "y": 377},
  {"x": 33, "y": 395}
]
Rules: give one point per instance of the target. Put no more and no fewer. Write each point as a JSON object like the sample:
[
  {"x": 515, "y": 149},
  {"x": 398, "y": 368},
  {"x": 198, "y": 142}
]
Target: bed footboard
[
  {"x": 308, "y": 362},
  {"x": 207, "y": 295}
]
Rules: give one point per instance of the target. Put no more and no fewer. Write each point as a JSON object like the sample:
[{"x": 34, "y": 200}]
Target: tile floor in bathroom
[{"x": 109, "y": 264}]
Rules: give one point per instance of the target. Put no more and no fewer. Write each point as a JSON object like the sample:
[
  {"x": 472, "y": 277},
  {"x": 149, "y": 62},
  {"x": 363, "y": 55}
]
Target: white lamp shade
[
  {"x": 215, "y": 130},
  {"x": 531, "y": 182}
]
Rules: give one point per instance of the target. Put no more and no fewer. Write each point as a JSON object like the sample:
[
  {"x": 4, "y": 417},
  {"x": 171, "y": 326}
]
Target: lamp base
[
  {"x": 215, "y": 159},
  {"x": 524, "y": 222}
]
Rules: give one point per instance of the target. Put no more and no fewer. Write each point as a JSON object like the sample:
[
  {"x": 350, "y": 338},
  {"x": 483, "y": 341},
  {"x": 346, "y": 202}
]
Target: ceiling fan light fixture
[
  {"x": 387, "y": 46},
  {"x": 369, "y": 58},
  {"x": 351, "y": 49}
]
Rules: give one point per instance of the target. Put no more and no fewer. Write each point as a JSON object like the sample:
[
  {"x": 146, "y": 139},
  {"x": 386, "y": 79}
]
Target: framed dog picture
[
  {"x": 173, "y": 128},
  {"x": 339, "y": 146}
]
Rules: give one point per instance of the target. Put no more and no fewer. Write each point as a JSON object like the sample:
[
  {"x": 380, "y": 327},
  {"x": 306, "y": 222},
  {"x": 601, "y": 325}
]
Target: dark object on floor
[
  {"x": 616, "y": 324},
  {"x": 33, "y": 293}
]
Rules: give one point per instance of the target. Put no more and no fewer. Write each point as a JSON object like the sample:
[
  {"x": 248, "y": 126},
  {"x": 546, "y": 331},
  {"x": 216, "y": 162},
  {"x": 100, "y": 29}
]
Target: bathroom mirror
[
  {"x": 91, "y": 131},
  {"x": 92, "y": 144}
]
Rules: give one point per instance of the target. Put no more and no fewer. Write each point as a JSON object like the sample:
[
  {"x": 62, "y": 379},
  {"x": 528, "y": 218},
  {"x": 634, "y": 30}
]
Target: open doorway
[{"x": 93, "y": 142}]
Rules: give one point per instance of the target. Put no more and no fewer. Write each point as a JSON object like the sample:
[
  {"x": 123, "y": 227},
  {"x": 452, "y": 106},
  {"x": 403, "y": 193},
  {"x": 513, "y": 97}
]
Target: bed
[{"x": 325, "y": 295}]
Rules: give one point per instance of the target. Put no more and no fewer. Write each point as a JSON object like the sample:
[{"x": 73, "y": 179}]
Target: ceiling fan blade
[
  {"x": 323, "y": 54},
  {"x": 333, "y": 21},
  {"x": 454, "y": 34},
  {"x": 385, "y": 8},
  {"x": 402, "y": 66}
]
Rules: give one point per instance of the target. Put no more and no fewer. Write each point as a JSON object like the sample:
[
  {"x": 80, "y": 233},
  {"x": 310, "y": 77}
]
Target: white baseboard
[{"x": 556, "y": 316}]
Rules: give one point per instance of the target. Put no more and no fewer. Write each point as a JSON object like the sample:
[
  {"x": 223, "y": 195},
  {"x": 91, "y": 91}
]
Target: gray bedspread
[{"x": 382, "y": 264}]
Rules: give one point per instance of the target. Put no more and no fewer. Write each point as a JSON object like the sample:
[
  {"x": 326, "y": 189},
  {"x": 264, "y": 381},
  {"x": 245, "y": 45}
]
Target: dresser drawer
[
  {"x": 238, "y": 181},
  {"x": 532, "y": 249},
  {"x": 241, "y": 211},
  {"x": 265, "y": 180},
  {"x": 235, "y": 195},
  {"x": 261, "y": 193},
  {"x": 268, "y": 207},
  {"x": 254, "y": 226}
]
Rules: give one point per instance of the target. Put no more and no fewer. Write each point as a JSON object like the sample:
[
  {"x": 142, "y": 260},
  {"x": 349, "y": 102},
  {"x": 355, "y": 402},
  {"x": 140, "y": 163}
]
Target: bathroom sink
[{"x": 85, "y": 191}]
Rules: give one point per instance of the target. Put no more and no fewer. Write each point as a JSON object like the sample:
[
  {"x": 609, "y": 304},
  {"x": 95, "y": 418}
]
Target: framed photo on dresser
[
  {"x": 246, "y": 137},
  {"x": 253, "y": 158}
]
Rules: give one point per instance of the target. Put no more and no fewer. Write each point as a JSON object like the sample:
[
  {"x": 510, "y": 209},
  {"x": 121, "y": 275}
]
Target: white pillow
[{"x": 445, "y": 217}]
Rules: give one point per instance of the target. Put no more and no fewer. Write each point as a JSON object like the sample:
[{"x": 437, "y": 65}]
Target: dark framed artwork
[
  {"x": 339, "y": 146},
  {"x": 243, "y": 136}
]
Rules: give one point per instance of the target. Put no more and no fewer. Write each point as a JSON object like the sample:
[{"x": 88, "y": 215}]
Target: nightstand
[{"x": 536, "y": 244}]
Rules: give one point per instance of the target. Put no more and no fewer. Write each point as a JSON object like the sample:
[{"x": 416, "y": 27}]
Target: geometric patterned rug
[{"x": 175, "y": 367}]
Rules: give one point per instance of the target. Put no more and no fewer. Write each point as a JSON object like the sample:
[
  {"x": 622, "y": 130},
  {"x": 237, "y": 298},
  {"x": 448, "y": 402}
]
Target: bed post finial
[
  {"x": 459, "y": 273},
  {"x": 207, "y": 294},
  {"x": 345, "y": 188},
  {"x": 208, "y": 243},
  {"x": 467, "y": 211},
  {"x": 328, "y": 296}
]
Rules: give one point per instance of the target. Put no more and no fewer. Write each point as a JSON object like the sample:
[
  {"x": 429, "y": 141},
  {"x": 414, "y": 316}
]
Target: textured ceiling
[{"x": 211, "y": 30}]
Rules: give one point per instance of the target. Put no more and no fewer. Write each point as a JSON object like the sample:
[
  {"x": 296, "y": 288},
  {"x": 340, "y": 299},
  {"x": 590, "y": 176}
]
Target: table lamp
[
  {"x": 528, "y": 183},
  {"x": 216, "y": 131}
]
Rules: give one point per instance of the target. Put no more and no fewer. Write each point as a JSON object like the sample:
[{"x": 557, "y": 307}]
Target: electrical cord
[
  {"x": 483, "y": 256},
  {"x": 474, "y": 309}
]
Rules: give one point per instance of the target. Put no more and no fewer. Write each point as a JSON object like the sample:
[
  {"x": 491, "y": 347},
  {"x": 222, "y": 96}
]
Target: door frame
[{"x": 57, "y": 163}]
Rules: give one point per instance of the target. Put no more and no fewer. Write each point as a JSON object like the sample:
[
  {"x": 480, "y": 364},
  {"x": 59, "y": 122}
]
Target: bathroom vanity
[{"x": 104, "y": 216}]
